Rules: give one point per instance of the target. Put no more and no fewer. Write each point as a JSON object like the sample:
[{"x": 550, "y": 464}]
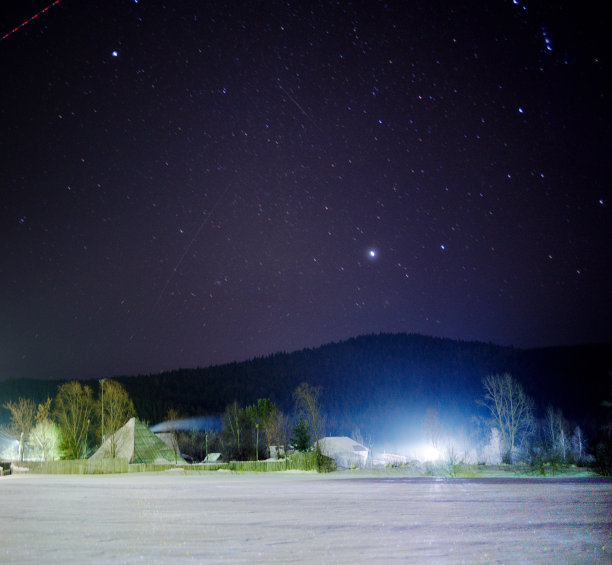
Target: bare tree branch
[{"x": 510, "y": 408}]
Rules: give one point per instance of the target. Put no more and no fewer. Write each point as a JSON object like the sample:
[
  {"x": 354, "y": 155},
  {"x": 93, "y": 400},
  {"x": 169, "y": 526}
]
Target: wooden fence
[
  {"x": 295, "y": 461},
  {"x": 72, "y": 467}
]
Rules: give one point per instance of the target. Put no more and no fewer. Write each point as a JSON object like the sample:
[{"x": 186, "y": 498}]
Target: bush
[
  {"x": 324, "y": 464},
  {"x": 302, "y": 439},
  {"x": 603, "y": 457},
  {"x": 195, "y": 443}
]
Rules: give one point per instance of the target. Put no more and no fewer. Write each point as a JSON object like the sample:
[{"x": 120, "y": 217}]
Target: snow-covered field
[{"x": 302, "y": 518}]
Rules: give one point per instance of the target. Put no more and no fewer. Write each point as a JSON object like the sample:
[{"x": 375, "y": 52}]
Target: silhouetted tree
[
  {"x": 308, "y": 406},
  {"x": 268, "y": 409},
  {"x": 259, "y": 414},
  {"x": 235, "y": 426},
  {"x": 302, "y": 439},
  {"x": 197, "y": 444}
]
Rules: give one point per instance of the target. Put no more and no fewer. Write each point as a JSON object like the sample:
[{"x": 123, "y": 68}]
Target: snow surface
[{"x": 188, "y": 517}]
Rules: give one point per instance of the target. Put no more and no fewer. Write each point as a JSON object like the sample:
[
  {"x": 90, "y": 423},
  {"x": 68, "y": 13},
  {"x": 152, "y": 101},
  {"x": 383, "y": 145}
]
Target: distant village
[{"x": 82, "y": 432}]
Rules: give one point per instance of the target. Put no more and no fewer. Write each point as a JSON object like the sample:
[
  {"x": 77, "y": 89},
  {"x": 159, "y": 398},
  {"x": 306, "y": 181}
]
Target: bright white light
[
  {"x": 115, "y": 53},
  {"x": 372, "y": 253},
  {"x": 430, "y": 453},
  {"x": 423, "y": 452}
]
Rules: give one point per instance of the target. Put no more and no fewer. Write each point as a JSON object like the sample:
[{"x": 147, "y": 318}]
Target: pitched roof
[
  {"x": 136, "y": 443},
  {"x": 341, "y": 444}
]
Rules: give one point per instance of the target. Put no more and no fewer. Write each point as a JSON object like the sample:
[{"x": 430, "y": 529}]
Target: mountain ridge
[{"x": 369, "y": 378}]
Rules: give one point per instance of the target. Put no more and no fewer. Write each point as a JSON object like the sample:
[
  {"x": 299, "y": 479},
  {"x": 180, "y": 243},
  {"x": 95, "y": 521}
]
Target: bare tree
[
  {"x": 236, "y": 436},
  {"x": 22, "y": 420},
  {"x": 44, "y": 438},
  {"x": 356, "y": 435},
  {"x": 511, "y": 410},
  {"x": 307, "y": 404},
  {"x": 116, "y": 409},
  {"x": 268, "y": 410},
  {"x": 556, "y": 433},
  {"x": 579, "y": 445},
  {"x": 366, "y": 441},
  {"x": 279, "y": 432},
  {"x": 74, "y": 407}
]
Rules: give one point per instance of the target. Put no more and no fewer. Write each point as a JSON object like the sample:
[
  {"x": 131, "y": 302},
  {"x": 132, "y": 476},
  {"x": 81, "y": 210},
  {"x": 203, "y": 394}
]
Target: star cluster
[{"x": 191, "y": 183}]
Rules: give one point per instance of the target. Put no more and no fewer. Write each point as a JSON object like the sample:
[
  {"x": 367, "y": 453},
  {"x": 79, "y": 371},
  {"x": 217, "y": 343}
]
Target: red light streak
[{"x": 26, "y": 22}]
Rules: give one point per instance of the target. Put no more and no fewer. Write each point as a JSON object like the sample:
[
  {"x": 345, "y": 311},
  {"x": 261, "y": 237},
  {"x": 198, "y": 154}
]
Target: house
[
  {"x": 345, "y": 451},
  {"x": 136, "y": 443},
  {"x": 392, "y": 459}
]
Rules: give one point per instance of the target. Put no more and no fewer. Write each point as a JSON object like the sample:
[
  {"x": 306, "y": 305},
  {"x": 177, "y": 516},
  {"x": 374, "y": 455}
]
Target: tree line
[
  {"x": 515, "y": 434},
  {"x": 76, "y": 421},
  {"x": 72, "y": 423},
  {"x": 369, "y": 376},
  {"x": 259, "y": 430}
]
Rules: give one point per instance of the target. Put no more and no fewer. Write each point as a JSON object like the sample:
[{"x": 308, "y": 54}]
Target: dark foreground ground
[{"x": 302, "y": 518}]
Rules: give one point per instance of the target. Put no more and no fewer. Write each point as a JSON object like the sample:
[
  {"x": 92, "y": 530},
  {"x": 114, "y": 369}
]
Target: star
[{"x": 278, "y": 177}]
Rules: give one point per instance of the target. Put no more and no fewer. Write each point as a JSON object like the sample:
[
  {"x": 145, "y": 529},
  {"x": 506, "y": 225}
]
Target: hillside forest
[{"x": 401, "y": 393}]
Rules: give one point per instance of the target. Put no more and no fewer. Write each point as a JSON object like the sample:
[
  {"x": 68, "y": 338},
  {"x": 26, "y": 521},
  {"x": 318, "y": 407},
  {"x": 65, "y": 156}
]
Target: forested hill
[{"x": 367, "y": 378}]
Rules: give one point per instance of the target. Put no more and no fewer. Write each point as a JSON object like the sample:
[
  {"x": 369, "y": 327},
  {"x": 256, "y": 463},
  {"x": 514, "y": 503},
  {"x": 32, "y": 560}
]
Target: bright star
[
  {"x": 115, "y": 53},
  {"x": 372, "y": 253}
]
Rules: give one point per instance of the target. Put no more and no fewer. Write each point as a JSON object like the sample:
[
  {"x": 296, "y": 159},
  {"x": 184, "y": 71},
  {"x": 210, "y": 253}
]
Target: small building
[
  {"x": 345, "y": 451},
  {"x": 392, "y": 459},
  {"x": 136, "y": 443}
]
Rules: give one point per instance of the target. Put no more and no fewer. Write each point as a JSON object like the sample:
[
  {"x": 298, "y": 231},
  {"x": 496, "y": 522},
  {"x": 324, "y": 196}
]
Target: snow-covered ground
[{"x": 302, "y": 518}]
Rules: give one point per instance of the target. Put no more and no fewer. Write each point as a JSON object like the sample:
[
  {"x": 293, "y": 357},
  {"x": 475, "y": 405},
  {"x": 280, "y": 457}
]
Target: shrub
[
  {"x": 602, "y": 454},
  {"x": 325, "y": 464}
]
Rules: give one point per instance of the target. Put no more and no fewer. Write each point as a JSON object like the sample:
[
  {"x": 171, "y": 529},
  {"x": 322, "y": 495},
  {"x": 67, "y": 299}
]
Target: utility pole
[{"x": 102, "y": 386}]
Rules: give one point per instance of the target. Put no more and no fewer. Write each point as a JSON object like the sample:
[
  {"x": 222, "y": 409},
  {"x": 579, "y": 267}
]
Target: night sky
[{"x": 190, "y": 183}]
